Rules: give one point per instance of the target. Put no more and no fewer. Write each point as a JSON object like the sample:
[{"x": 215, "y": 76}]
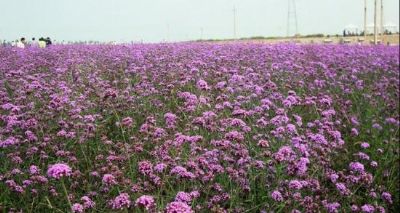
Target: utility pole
[
  {"x": 365, "y": 20},
  {"x": 291, "y": 17},
  {"x": 382, "y": 28},
  {"x": 234, "y": 22},
  {"x": 375, "y": 23}
]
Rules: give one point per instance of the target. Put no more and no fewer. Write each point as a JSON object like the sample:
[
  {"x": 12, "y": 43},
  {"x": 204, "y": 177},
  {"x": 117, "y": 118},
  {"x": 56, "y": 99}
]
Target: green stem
[{"x": 66, "y": 194}]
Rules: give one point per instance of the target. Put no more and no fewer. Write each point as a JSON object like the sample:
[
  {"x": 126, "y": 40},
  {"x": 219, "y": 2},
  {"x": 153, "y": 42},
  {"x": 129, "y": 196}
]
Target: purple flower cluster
[
  {"x": 200, "y": 127},
  {"x": 121, "y": 201},
  {"x": 59, "y": 170},
  {"x": 146, "y": 202},
  {"x": 277, "y": 196},
  {"x": 178, "y": 207},
  {"x": 109, "y": 179},
  {"x": 357, "y": 167},
  {"x": 182, "y": 172}
]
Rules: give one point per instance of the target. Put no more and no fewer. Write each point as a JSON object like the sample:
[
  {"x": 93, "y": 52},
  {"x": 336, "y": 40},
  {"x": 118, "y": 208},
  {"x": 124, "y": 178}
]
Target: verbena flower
[
  {"x": 109, "y": 179},
  {"x": 357, "y": 167},
  {"x": 77, "y": 208},
  {"x": 295, "y": 184},
  {"x": 121, "y": 201},
  {"x": 59, "y": 170},
  {"x": 368, "y": 208},
  {"x": 332, "y": 207},
  {"x": 364, "y": 145},
  {"x": 386, "y": 196},
  {"x": 145, "y": 201},
  {"x": 183, "y": 197},
  {"x": 33, "y": 170},
  {"x": 87, "y": 202},
  {"x": 277, "y": 196},
  {"x": 178, "y": 207},
  {"x": 127, "y": 122},
  {"x": 342, "y": 188}
]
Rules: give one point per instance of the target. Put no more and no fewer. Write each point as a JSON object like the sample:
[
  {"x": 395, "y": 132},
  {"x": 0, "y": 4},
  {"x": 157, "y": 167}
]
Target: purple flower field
[{"x": 197, "y": 127}]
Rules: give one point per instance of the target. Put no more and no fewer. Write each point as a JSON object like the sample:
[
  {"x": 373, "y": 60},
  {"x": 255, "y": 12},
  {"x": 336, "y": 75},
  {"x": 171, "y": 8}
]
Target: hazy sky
[{"x": 177, "y": 20}]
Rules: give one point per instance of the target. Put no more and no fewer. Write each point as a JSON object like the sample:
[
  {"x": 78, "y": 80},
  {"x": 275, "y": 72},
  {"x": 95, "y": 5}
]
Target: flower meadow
[{"x": 198, "y": 127}]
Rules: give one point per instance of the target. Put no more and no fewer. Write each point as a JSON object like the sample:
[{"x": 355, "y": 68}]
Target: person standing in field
[
  {"x": 42, "y": 43},
  {"x": 21, "y": 43},
  {"x": 34, "y": 43},
  {"x": 48, "y": 41}
]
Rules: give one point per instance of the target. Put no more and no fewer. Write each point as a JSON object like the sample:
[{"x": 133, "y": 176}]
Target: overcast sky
[{"x": 177, "y": 20}]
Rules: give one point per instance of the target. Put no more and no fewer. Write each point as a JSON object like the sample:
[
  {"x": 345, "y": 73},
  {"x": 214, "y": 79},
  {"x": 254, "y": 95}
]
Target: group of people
[{"x": 41, "y": 43}]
